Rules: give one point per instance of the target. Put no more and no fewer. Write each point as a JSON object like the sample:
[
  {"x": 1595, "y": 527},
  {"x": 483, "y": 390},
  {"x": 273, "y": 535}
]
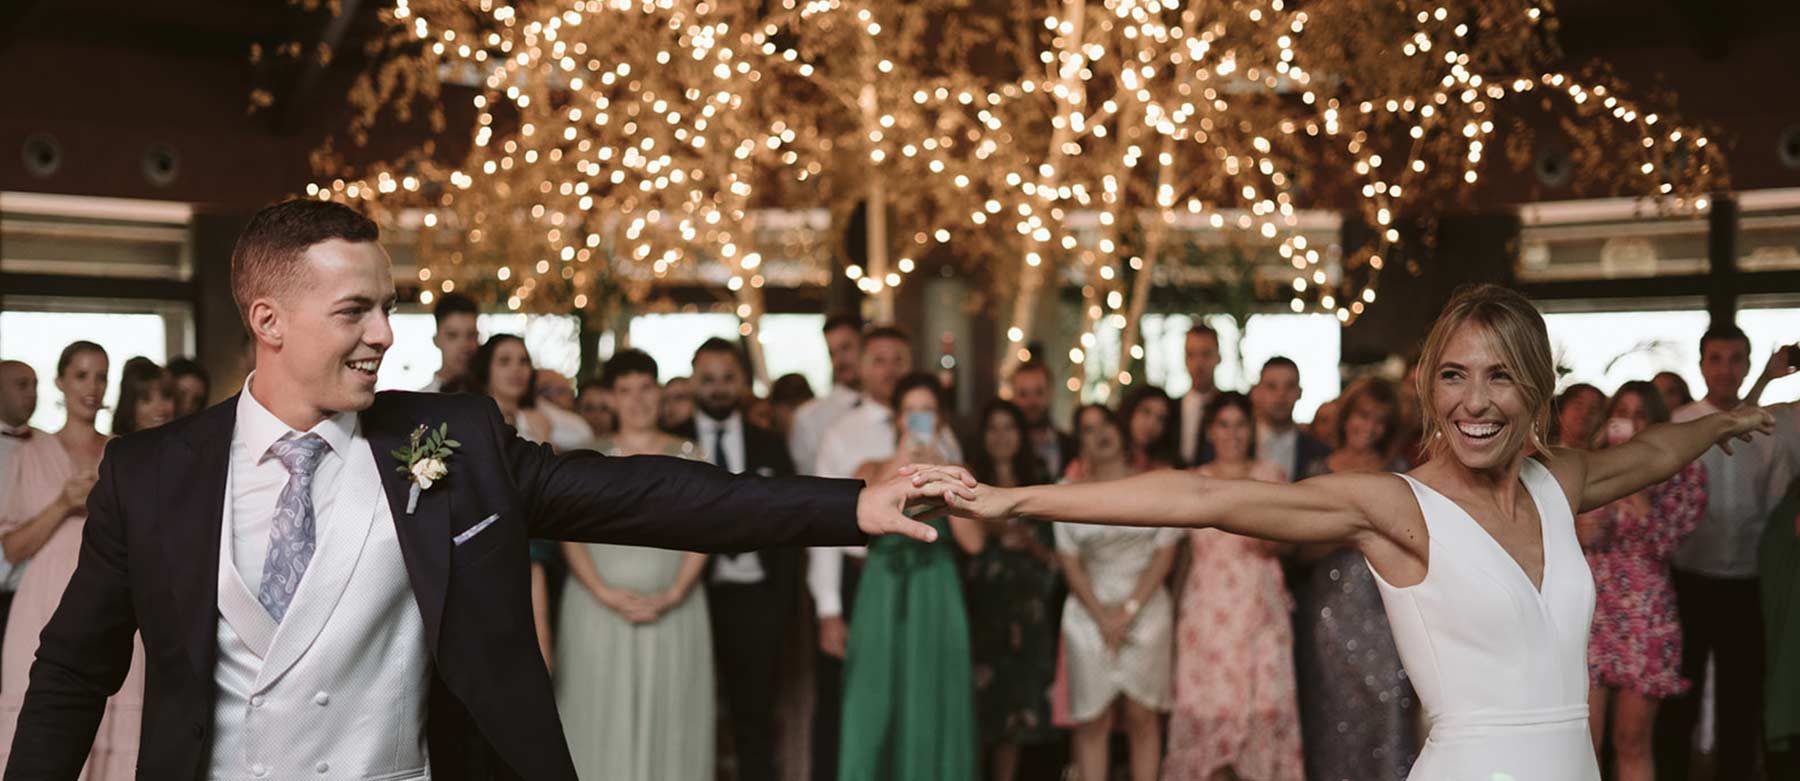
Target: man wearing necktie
[
  {"x": 752, "y": 596},
  {"x": 319, "y": 600}
]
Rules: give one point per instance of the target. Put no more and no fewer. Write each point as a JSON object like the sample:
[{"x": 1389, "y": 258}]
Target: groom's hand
[{"x": 880, "y": 508}]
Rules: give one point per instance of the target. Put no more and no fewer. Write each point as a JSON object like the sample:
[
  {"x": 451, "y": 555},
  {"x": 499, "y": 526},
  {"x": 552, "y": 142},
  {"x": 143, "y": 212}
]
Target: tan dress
[{"x": 33, "y": 478}]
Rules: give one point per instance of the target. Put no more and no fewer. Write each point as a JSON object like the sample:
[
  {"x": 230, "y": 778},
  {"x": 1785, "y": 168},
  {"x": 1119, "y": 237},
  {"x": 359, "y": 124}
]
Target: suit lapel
[
  {"x": 425, "y": 534},
  {"x": 340, "y": 547},
  {"x": 192, "y": 482}
]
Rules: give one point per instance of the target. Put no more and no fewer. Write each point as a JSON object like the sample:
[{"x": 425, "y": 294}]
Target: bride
[{"x": 1474, "y": 551}]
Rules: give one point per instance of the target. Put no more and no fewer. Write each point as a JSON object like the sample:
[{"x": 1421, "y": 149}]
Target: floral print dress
[{"x": 1635, "y": 643}]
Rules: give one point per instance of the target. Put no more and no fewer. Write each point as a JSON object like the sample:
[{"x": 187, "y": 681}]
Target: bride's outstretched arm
[
  {"x": 1656, "y": 453},
  {"x": 1328, "y": 508}
]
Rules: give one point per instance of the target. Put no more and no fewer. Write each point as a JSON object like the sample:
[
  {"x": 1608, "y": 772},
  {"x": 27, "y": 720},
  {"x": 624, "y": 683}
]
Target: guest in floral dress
[
  {"x": 1012, "y": 585},
  {"x": 1236, "y": 714},
  {"x": 1634, "y": 648}
]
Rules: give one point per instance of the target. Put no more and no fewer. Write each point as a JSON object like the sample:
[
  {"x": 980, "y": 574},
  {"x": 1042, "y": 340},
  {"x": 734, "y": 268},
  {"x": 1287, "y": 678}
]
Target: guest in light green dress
[
  {"x": 909, "y": 706},
  {"x": 634, "y": 669}
]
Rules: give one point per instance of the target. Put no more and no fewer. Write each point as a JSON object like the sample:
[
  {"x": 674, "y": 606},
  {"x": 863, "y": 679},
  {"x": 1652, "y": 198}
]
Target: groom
[{"x": 309, "y": 608}]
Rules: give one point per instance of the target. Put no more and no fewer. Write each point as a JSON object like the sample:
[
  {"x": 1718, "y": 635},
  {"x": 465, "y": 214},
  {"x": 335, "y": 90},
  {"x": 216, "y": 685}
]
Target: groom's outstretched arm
[
  {"x": 664, "y": 502},
  {"x": 85, "y": 650}
]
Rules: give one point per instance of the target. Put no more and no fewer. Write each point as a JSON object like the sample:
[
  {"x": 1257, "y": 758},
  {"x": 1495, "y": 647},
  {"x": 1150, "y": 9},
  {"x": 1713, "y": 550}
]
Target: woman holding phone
[
  {"x": 1634, "y": 649},
  {"x": 909, "y": 708}
]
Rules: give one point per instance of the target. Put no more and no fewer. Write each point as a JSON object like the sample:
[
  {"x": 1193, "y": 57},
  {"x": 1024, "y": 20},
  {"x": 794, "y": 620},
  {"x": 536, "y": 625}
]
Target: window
[
  {"x": 411, "y": 362},
  {"x": 1609, "y": 348},
  {"x": 1312, "y": 341},
  {"x": 791, "y": 343},
  {"x": 38, "y": 339}
]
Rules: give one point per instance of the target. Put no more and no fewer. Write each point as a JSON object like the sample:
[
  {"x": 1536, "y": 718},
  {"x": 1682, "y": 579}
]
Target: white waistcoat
[{"x": 339, "y": 688}]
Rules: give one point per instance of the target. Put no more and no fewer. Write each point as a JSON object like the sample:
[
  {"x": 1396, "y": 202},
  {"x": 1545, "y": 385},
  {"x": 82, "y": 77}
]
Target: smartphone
[
  {"x": 921, "y": 427},
  {"x": 1619, "y": 431},
  {"x": 1793, "y": 356}
]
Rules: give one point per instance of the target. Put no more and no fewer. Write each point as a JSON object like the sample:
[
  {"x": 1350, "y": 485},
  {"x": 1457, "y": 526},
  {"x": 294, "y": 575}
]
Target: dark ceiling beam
[
  {"x": 154, "y": 36},
  {"x": 292, "y": 113}
]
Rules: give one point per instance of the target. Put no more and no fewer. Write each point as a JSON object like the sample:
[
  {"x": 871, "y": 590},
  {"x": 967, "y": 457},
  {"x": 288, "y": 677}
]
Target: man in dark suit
[
  {"x": 1031, "y": 393},
  {"x": 1279, "y": 441},
  {"x": 331, "y": 582},
  {"x": 1200, "y": 353},
  {"x": 752, "y": 595}
]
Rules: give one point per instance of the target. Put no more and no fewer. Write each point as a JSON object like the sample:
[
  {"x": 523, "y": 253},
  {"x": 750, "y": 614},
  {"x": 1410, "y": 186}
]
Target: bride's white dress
[{"x": 1500, "y": 666}]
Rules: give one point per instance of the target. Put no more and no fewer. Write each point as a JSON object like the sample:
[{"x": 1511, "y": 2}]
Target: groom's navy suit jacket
[{"x": 149, "y": 563}]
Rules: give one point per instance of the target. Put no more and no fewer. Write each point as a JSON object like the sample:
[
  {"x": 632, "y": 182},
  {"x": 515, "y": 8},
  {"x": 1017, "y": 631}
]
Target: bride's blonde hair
[{"x": 1515, "y": 331}]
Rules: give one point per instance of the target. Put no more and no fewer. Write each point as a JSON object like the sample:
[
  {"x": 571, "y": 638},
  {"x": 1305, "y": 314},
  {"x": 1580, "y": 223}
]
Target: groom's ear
[{"x": 264, "y": 318}]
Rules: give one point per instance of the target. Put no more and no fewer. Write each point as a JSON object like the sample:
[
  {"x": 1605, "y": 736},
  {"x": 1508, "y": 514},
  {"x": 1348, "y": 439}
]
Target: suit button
[
  {"x": 322, "y": 767},
  {"x": 321, "y": 699},
  {"x": 261, "y": 771},
  {"x": 256, "y": 702}
]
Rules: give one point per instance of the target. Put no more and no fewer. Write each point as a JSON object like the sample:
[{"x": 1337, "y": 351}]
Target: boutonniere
[{"x": 426, "y": 460}]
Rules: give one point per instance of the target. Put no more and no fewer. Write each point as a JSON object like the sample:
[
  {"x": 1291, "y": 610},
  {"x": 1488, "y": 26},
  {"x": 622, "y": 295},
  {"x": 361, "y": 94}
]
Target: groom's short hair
[{"x": 263, "y": 263}]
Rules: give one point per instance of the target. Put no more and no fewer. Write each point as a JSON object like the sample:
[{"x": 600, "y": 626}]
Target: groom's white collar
[{"x": 258, "y": 428}]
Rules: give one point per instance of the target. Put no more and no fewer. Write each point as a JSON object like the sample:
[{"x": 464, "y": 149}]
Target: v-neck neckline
[{"x": 1543, "y": 534}]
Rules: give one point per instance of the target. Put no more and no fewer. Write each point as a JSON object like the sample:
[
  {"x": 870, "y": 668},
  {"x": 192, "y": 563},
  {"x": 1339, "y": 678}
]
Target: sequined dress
[{"x": 1358, "y": 715}]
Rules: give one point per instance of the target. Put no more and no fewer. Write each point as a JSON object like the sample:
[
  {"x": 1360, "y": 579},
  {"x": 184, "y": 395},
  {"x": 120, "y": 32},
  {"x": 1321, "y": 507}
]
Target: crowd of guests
[{"x": 1014, "y": 650}]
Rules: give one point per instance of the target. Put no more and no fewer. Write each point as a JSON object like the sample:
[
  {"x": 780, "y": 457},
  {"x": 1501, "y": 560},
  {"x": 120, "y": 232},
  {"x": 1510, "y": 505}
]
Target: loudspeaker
[
  {"x": 1553, "y": 166},
  {"x": 161, "y": 164},
  {"x": 42, "y": 155},
  {"x": 1787, "y": 146}
]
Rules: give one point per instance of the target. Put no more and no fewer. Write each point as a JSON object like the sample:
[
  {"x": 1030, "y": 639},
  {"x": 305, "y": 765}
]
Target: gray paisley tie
[{"x": 291, "y": 540}]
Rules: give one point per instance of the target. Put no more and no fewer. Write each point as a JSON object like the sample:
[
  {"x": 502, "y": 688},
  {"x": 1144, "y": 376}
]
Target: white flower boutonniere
[{"x": 426, "y": 460}]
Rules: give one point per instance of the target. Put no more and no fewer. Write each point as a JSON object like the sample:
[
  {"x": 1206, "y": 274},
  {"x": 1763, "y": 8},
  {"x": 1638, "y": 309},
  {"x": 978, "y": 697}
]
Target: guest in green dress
[
  {"x": 634, "y": 673},
  {"x": 909, "y": 713},
  {"x": 1780, "y": 570},
  {"x": 1013, "y": 594}
]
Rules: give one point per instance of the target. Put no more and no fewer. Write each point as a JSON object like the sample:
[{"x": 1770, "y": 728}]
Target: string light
[{"x": 621, "y": 144}]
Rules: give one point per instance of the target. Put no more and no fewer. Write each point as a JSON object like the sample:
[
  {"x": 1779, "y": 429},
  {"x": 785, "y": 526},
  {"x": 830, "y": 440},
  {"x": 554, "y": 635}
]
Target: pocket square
[{"x": 469, "y": 534}]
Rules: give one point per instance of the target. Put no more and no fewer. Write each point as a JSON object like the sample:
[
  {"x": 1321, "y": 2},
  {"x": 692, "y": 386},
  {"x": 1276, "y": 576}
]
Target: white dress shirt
[
  {"x": 337, "y": 688},
  {"x": 257, "y": 478},
  {"x": 865, "y": 434},
  {"x": 1278, "y": 448},
  {"x": 10, "y": 440},
  {"x": 728, "y": 453},
  {"x": 1193, "y": 409},
  {"x": 1741, "y": 490},
  {"x": 568, "y": 431},
  {"x": 812, "y": 420}
]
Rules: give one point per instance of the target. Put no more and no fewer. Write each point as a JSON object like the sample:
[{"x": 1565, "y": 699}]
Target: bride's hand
[{"x": 965, "y": 497}]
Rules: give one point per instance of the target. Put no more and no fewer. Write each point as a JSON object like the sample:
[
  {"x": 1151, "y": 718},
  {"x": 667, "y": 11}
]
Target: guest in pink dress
[
  {"x": 43, "y": 499},
  {"x": 1634, "y": 648},
  {"x": 1236, "y": 714}
]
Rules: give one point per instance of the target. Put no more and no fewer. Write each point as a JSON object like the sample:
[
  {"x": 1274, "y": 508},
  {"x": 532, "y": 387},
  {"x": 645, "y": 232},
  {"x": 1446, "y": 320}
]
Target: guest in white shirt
[
  {"x": 864, "y": 434},
  {"x": 18, "y": 402},
  {"x": 843, "y": 340},
  {"x": 456, "y": 338},
  {"x": 1031, "y": 393},
  {"x": 1717, "y": 592},
  {"x": 1201, "y": 354},
  {"x": 1279, "y": 441}
]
